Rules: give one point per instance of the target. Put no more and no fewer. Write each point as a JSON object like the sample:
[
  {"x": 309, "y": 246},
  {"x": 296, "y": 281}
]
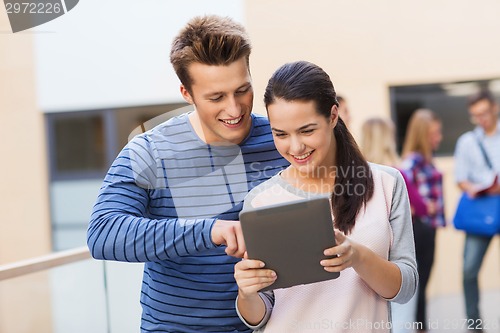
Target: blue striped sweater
[{"x": 157, "y": 205}]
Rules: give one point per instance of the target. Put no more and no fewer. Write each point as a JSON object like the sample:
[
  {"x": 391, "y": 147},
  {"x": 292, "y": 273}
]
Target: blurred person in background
[
  {"x": 473, "y": 175},
  {"x": 423, "y": 136},
  {"x": 378, "y": 145},
  {"x": 344, "y": 112}
]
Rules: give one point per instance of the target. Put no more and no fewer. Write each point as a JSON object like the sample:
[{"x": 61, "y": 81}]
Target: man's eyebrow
[
  {"x": 212, "y": 93},
  {"x": 245, "y": 85}
]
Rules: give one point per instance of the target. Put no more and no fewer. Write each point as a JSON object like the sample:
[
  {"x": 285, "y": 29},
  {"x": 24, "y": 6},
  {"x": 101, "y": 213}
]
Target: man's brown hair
[
  {"x": 479, "y": 96},
  {"x": 210, "y": 40}
]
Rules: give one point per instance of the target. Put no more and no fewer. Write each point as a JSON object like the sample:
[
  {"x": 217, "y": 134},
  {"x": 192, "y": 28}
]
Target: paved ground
[{"x": 446, "y": 313}]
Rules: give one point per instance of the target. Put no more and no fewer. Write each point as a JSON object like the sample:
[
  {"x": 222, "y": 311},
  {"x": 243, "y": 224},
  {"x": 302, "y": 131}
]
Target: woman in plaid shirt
[{"x": 423, "y": 137}]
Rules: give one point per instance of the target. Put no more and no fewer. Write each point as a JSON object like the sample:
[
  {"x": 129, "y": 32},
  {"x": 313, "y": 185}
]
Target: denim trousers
[{"x": 474, "y": 250}]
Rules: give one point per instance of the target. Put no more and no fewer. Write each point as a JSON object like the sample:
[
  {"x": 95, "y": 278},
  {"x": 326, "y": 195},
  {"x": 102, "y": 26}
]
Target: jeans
[{"x": 474, "y": 249}]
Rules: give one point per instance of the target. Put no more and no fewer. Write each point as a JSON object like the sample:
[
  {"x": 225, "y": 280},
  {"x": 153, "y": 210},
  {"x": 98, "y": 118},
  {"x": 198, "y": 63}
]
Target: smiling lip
[
  {"x": 302, "y": 158},
  {"x": 232, "y": 123}
]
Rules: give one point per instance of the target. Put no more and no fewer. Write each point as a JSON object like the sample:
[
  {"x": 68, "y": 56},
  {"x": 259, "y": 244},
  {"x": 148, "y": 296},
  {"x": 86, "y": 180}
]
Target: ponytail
[{"x": 353, "y": 179}]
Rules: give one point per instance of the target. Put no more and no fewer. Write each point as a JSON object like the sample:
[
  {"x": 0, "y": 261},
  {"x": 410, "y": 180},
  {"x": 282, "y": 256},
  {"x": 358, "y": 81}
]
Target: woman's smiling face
[{"x": 303, "y": 136}]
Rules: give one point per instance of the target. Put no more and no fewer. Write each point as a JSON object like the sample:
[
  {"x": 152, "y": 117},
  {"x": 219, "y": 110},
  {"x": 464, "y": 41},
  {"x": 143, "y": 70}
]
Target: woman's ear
[
  {"x": 334, "y": 115},
  {"x": 186, "y": 95}
]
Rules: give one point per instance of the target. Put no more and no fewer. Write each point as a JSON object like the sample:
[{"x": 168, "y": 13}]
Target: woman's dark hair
[{"x": 305, "y": 81}]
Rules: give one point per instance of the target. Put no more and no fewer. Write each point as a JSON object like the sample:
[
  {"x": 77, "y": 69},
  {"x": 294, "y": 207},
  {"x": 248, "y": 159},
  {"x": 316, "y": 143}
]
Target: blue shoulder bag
[{"x": 481, "y": 215}]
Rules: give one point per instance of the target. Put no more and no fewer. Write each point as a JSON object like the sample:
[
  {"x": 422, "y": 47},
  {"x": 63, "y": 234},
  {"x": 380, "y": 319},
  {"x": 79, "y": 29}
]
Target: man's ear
[
  {"x": 186, "y": 95},
  {"x": 495, "y": 109}
]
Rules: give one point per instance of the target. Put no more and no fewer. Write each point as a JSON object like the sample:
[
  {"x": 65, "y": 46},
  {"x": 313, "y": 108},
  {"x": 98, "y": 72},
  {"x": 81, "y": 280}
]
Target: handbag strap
[{"x": 483, "y": 151}]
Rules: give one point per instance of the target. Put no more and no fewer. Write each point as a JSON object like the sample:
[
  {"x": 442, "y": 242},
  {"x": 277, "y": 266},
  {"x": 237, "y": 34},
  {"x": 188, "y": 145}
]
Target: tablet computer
[{"x": 290, "y": 239}]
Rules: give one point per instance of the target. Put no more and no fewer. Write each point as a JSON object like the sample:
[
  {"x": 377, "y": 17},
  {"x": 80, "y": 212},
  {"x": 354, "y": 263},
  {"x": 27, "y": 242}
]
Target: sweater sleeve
[
  {"x": 268, "y": 299},
  {"x": 402, "y": 251},
  {"x": 119, "y": 228}
]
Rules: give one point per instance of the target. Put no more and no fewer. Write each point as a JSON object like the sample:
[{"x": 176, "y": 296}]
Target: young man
[
  {"x": 172, "y": 196},
  {"x": 473, "y": 174}
]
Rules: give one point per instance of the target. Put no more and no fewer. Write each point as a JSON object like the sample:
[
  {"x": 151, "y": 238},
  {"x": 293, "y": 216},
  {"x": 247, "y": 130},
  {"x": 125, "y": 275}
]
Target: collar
[{"x": 479, "y": 131}]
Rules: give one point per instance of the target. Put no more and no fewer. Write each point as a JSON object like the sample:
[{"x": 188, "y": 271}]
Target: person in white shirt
[{"x": 473, "y": 175}]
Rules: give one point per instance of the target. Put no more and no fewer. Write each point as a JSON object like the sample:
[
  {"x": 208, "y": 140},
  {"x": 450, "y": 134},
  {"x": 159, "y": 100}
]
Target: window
[
  {"x": 83, "y": 144},
  {"x": 79, "y": 143}
]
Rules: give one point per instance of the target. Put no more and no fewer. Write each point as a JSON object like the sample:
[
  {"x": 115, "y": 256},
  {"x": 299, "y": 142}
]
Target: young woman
[
  {"x": 423, "y": 137},
  {"x": 375, "y": 251}
]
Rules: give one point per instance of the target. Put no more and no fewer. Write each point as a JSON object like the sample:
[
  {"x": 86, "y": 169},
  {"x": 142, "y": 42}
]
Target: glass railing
[{"x": 69, "y": 292}]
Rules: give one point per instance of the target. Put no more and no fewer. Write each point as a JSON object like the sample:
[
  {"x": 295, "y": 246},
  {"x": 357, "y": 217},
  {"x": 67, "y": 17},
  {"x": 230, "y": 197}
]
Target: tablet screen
[{"x": 290, "y": 239}]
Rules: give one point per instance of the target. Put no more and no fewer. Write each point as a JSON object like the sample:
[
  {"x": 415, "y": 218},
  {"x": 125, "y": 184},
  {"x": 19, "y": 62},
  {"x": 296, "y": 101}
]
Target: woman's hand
[
  {"x": 345, "y": 254},
  {"x": 383, "y": 276},
  {"x": 432, "y": 208},
  {"x": 251, "y": 276}
]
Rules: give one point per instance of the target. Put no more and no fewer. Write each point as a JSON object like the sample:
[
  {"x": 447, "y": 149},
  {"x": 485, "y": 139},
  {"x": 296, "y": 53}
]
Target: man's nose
[{"x": 233, "y": 107}]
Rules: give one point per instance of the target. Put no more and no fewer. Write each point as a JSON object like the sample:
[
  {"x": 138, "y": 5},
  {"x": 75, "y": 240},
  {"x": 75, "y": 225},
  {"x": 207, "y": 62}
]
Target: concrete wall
[{"x": 24, "y": 221}]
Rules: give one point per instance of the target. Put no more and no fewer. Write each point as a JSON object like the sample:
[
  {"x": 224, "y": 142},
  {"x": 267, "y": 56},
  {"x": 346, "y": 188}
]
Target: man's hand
[
  {"x": 469, "y": 188},
  {"x": 495, "y": 189},
  {"x": 229, "y": 233}
]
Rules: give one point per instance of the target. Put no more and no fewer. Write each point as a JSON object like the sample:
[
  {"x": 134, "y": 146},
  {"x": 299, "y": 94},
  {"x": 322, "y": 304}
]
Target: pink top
[{"x": 346, "y": 304}]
